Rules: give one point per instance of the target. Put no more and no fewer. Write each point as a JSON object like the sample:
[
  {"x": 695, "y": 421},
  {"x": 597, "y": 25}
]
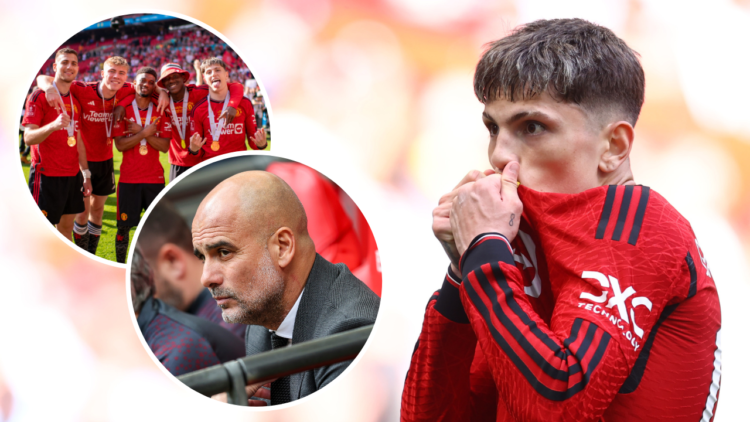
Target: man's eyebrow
[
  {"x": 524, "y": 114},
  {"x": 212, "y": 246}
]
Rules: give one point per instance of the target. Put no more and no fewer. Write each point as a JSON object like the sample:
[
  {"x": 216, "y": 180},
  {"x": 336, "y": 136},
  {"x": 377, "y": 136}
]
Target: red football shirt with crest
[
  {"x": 53, "y": 157},
  {"x": 634, "y": 332},
  {"x": 97, "y": 116},
  {"x": 135, "y": 167},
  {"x": 177, "y": 154},
  {"x": 233, "y": 137}
]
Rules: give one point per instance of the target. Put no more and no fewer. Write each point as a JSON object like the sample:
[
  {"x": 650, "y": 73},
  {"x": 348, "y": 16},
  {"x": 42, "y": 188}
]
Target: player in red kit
[
  {"x": 57, "y": 185},
  {"x": 98, "y": 100},
  {"x": 182, "y": 99},
  {"x": 211, "y": 135},
  {"x": 578, "y": 296},
  {"x": 140, "y": 137}
]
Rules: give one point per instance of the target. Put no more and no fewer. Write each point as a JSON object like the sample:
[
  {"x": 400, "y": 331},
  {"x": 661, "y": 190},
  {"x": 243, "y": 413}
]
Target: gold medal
[
  {"x": 215, "y": 146},
  {"x": 182, "y": 142},
  {"x": 71, "y": 141},
  {"x": 143, "y": 150},
  {"x": 109, "y": 141}
]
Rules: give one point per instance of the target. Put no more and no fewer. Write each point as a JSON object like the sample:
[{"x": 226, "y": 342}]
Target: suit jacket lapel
[
  {"x": 257, "y": 340},
  {"x": 308, "y": 312}
]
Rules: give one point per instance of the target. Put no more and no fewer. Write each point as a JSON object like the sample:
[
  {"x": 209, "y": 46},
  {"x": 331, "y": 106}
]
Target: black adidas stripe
[
  {"x": 624, "y": 206},
  {"x": 639, "y": 213},
  {"x": 693, "y": 276},
  {"x": 606, "y": 211}
]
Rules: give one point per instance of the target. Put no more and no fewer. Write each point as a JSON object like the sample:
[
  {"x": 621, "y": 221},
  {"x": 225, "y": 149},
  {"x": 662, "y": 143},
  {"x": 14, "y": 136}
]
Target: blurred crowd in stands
[{"x": 182, "y": 45}]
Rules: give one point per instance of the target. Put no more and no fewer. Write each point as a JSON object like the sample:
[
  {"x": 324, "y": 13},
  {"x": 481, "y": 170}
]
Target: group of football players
[{"x": 71, "y": 127}]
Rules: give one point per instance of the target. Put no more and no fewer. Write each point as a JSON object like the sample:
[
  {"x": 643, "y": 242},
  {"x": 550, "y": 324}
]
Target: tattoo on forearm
[
  {"x": 512, "y": 216},
  {"x": 451, "y": 251}
]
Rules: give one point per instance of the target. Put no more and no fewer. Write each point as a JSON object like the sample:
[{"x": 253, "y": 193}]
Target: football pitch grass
[{"x": 106, "y": 248}]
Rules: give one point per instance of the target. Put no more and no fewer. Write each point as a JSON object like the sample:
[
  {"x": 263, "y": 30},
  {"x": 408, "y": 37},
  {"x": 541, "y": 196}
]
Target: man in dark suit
[{"x": 261, "y": 267}]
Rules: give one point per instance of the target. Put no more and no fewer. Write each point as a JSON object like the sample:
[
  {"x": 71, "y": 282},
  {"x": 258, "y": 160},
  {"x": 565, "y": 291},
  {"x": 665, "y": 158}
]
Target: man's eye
[
  {"x": 534, "y": 128},
  {"x": 493, "y": 128},
  {"x": 223, "y": 253}
]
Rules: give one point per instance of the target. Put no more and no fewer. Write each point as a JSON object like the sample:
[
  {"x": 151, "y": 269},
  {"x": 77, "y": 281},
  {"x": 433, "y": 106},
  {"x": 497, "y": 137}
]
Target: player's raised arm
[
  {"x": 572, "y": 368},
  {"x": 236, "y": 94},
  {"x": 198, "y": 72},
  {"x": 34, "y": 134},
  {"x": 45, "y": 83},
  {"x": 445, "y": 380}
]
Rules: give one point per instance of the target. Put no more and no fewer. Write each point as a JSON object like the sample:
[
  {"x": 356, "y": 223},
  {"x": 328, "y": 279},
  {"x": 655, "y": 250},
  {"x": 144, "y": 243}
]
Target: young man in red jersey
[
  {"x": 182, "y": 100},
  {"x": 211, "y": 135},
  {"x": 140, "y": 137},
  {"x": 57, "y": 185},
  {"x": 98, "y": 100},
  {"x": 578, "y": 296}
]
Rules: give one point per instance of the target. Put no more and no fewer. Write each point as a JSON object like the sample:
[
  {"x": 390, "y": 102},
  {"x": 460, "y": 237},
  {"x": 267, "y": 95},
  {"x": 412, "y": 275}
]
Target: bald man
[{"x": 261, "y": 267}]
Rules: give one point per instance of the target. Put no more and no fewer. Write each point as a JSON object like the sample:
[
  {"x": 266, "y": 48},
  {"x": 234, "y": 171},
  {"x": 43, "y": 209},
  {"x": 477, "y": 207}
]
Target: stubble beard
[
  {"x": 263, "y": 303},
  {"x": 169, "y": 294}
]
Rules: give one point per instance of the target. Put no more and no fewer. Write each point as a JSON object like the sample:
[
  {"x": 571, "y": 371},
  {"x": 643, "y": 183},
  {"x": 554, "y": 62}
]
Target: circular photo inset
[
  {"x": 123, "y": 107},
  {"x": 255, "y": 280}
]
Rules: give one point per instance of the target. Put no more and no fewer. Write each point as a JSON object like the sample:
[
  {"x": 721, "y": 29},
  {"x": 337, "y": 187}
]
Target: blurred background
[{"x": 378, "y": 97}]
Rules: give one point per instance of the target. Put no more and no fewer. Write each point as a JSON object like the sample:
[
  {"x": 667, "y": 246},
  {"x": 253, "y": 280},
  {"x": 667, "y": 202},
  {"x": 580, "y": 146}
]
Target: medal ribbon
[
  {"x": 216, "y": 127},
  {"x": 109, "y": 118},
  {"x": 180, "y": 128},
  {"x": 71, "y": 127},
  {"x": 148, "y": 116}
]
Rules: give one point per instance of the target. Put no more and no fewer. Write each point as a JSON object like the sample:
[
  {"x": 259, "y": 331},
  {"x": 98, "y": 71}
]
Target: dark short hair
[
  {"x": 212, "y": 61},
  {"x": 574, "y": 60},
  {"x": 147, "y": 70},
  {"x": 164, "y": 225},
  {"x": 141, "y": 280},
  {"x": 65, "y": 50}
]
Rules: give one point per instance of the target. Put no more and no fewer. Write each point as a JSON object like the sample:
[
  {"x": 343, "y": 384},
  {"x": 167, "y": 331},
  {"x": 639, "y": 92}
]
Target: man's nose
[
  {"x": 502, "y": 150},
  {"x": 210, "y": 277}
]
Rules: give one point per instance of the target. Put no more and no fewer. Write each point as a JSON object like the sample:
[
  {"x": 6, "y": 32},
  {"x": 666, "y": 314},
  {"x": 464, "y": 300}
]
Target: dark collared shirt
[{"x": 184, "y": 343}]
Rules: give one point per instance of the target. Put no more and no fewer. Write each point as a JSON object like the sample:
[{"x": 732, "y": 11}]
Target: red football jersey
[
  {"x": 233, "y": 136},
  {"x": 634, "y": 333},
  {"x": 177, "y": 154},
  {"x": 54, "y": 157},
  {"x": 135, "y": 167},
  {"x": 96, "y": 115}
]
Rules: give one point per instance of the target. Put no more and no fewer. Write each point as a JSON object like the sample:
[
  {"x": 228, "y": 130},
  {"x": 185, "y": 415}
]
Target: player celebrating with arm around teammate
[
  {"x": 98, "y": 101},
  {"x": 213, "y": 135},
  {"x": 182, "y": 99},
  {"x": 140, "y": 137},
  {"x": 57, "y": 185},
  {"x": 578, "y": 296}
]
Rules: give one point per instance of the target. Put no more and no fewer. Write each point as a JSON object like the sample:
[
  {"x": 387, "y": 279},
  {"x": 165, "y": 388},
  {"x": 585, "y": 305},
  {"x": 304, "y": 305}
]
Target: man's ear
[
  {"x": 283, "y": 246},
  {"x": 170, "y": 262},
  {"x": 620, "y": 136}
]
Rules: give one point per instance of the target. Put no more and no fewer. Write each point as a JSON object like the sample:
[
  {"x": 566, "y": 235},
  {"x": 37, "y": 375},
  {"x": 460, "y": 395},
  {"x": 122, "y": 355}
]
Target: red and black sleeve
[
  {"x": 567, "y": 371},
  {"x": 438, "y": 386}
]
